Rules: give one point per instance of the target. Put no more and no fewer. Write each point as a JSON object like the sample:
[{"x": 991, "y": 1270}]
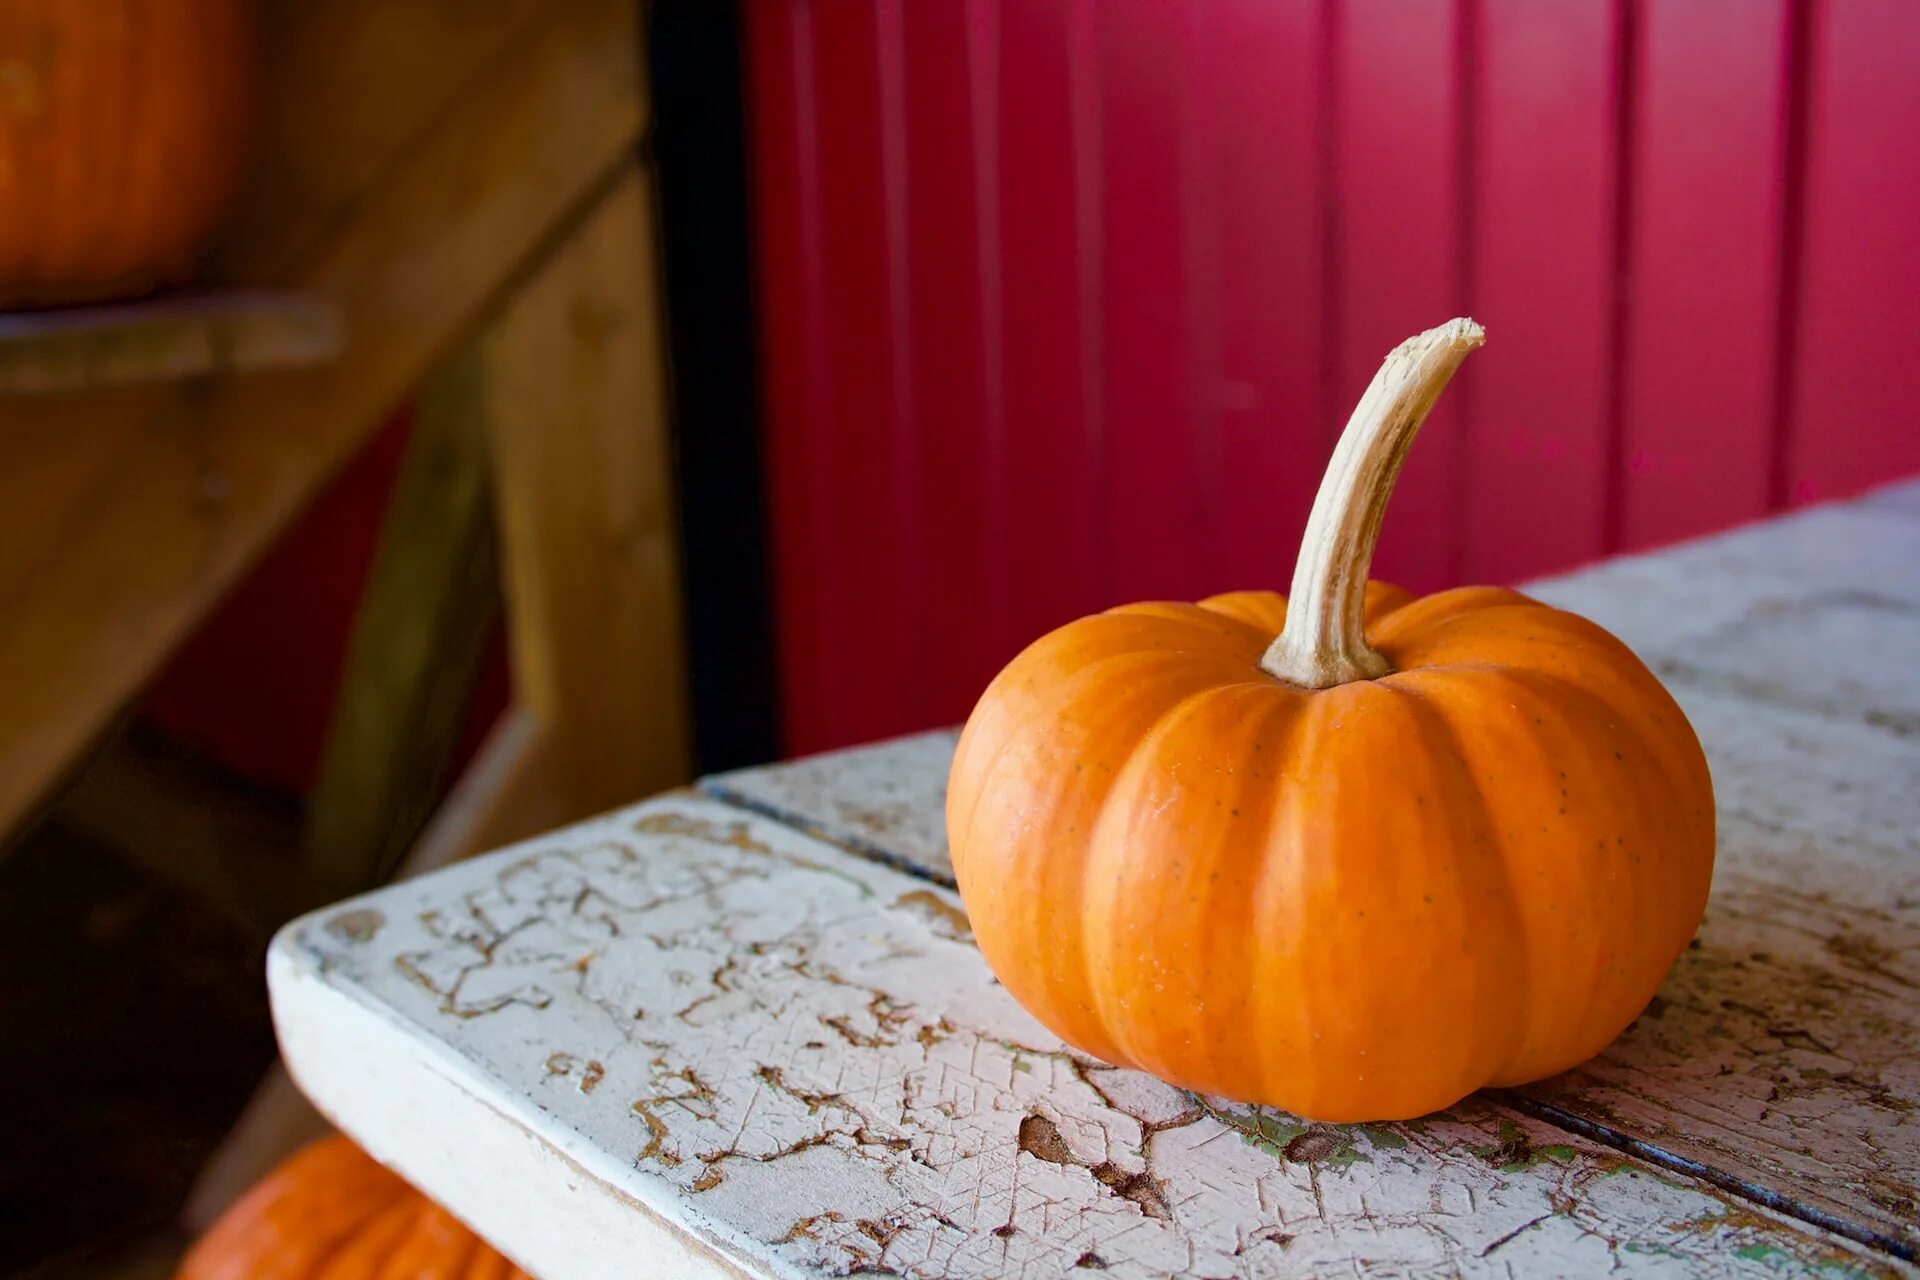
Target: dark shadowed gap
[{"x": 699, "y": 149}]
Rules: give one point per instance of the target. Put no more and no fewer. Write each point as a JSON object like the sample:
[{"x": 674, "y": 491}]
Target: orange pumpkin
[
  {"x": 1356, "y": 856},
  {"x": 122, "y": 124},
  {"x": 331, "y": 1212}
]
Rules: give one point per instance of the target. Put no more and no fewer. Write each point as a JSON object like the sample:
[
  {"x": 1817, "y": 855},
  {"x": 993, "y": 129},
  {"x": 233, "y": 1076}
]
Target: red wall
[{"x": 1063, "y": 300}]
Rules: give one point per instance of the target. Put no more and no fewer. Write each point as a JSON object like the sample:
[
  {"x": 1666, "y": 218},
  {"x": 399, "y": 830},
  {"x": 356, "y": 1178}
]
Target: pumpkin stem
[{"x": 1324, "y": 642}]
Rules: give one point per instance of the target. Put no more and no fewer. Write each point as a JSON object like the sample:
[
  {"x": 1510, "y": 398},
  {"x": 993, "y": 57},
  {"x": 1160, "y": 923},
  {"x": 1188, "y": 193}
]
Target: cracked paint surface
[
  {"x": 1784, "y": 1049},
  {"x": 875, "y": 798},
  {"x": 800, "y": 1054}
]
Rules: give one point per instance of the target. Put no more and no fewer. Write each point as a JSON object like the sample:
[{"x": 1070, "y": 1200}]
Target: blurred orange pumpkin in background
[
  {"x": 331, "y": 1210},
  {"x": 122, "y": 130}
]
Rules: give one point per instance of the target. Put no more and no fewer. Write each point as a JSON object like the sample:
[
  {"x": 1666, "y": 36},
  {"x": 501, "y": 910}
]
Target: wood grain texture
[
  {"x": 693, "y": 1035},
  {"x": 887, "y": 801},
  {"x": 125, "y": 515},
  {"x": 574, "y": 401},
  {"x": 353, "y": 91},
  {"x": 162, "y": 340},
  {"x": 1785, "y": 1048}
]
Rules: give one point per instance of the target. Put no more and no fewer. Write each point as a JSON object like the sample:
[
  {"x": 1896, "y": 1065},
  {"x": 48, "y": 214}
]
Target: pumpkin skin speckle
[{"x": 1364, "y": 901}]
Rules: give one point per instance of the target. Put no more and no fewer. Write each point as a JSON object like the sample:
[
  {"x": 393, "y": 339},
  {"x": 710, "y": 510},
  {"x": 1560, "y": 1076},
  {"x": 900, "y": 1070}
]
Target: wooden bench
[{"x": 741, "y": 1030}]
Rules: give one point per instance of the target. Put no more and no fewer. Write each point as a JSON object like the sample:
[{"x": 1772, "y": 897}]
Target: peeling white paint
[
  {"x": 687, "y": 1039},
  {"x": 811, "y": 1078}
]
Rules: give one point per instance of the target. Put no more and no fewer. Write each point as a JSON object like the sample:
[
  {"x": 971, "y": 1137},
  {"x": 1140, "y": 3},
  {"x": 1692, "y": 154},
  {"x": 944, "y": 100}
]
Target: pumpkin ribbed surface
[
  {"x": 1357, "y": 903},
  {"x": 122, "y": 130},
  {"x": 331, "y": 1212},
  {"x": 1355, "y": 859}
]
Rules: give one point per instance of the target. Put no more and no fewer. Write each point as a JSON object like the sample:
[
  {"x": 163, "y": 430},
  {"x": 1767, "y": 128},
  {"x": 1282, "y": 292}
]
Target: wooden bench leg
[{"x": 562, "y": 399}]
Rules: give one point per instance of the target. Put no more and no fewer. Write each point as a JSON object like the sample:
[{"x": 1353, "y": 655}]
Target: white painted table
[{"x": 742, "y": 1031}]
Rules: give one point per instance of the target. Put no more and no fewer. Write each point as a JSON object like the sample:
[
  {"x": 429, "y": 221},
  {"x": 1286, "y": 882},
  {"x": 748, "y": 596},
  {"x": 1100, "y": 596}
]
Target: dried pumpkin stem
[{"x": 1324, "y": 642}]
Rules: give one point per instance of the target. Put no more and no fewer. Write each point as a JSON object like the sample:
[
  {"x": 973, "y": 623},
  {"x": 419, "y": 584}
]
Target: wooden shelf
[
  {"x": 420, "y": 170},
  {"x": 163, "y": 339}
]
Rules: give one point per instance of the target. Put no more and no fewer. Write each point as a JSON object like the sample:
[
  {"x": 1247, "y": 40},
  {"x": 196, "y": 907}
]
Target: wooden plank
[
  {"x": 1704, "y": 243},
  {"x": 886, "y": 801},
  {"x": 1785, "y": 1050},
  {"x": 1783, "y": 1055},
  {"x": 1781, "y": 1052},
  {"x": 1902, "y": 498},
  {"x": 1850, "y": 422},
  {"x": 573, "y": 392},
  {"x": 1397, "y": 131},
  {"x": 507, "y": 793},
  {"x": 1791, "y": 1022},
  {"x": 163, "y": 339},
  {"x": 690, "y": 1034},
  {"x": 123, "y": 516},
  {"x": 1541, "y": 255},
  {"x": 351, "y": 91},
  {"x": 418, "y": 642},
  {"x": 1747, "y": 612}
]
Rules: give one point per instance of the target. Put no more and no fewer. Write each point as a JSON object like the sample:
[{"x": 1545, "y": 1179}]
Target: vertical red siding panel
[
  {"x": 1262, "y": 87},
  {"x": 873, "y": 506},
  {"x": 1855, "y": 408},
  {"x": 1542, "y": 261},
  {"x": 908, "y": 704},
  {"x": 1048, "y": 185},
  {"x": 983, "y": 76},
  {"x": 798, "y": 396},
  {"x": 949, "y": 409},
  {"x": 1396, "y": 187},
  {"x": 1704, "y": 243},
  {"x": 1154, "y": 510}
]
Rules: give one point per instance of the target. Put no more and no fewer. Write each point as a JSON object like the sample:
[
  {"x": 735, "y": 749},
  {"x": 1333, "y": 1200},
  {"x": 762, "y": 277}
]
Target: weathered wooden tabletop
[{"x": 743, "y": 1032}]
